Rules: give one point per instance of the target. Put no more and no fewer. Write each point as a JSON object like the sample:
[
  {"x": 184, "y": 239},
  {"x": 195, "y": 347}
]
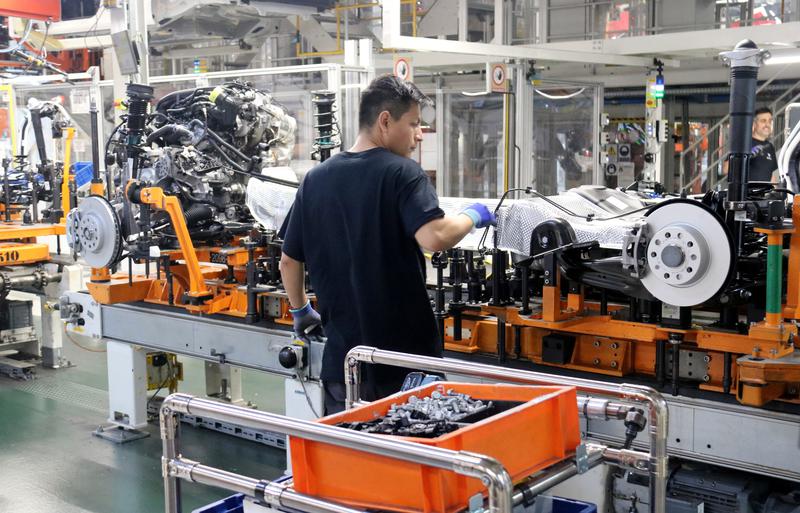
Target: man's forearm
[
  {"x": 455, "y": 228},
  {"x": 444, "y": 233},
  {"x": 293, "y": 274}
]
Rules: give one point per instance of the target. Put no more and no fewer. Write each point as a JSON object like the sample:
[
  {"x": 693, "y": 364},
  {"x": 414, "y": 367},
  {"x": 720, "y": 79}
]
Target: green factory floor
[{"x": 51, "y": 463}]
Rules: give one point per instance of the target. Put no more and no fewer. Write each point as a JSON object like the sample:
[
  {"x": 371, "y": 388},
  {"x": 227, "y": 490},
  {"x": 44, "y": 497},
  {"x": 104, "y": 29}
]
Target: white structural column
[
  {"x": 127, "y": 385},
  {"x": 499, "y": 22}
]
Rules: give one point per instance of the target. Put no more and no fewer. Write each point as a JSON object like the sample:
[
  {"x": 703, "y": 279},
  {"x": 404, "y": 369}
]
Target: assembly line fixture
[{"x": 656, "y": 405}]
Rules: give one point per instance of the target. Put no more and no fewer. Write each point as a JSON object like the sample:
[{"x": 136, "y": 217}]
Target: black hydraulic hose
[
  {"x": 197, "y": 213},
  {"x": 171, "y": 134}
]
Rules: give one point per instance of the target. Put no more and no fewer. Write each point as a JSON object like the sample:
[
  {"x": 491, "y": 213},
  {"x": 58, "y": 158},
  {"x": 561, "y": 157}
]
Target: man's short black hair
[
  {"x": 388, "y": 93},
  {"x": 762, "y": 110}
]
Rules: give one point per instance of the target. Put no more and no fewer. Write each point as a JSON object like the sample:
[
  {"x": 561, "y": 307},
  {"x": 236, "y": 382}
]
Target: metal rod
[
  {"x": 95, "y": 134},
  {"x": 726, "y": 372},
  {"x": 658, "y": 415},
  {"x": 168, "y": 279},
  {"x": 457, "y": 304},
  {"x": 487, "y": 469},
  {"x": 7, "y": 190},
  {"x": 501, "y": 338},
  {"x": 675, "y": 340},
  {"x": 34, "y": 197},
  {"x": 555, "y": 476},
  {"x": 526, "y": 298},
  {"x": 170, "y": 438},
  {"x": 252, "y": 314},
  {"x": 278, "y": 494},
  {"x": 661, "y": 363},
  {"x": 439, "y": 262}
]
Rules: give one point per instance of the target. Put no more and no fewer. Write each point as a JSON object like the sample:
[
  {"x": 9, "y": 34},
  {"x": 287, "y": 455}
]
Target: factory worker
[
  {"x": 763, "y": 163},
  {"x": 359, "y": 222}
]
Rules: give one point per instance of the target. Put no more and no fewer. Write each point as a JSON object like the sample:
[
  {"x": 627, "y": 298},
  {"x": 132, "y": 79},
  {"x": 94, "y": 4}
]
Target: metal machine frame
[
  {"x": 131, "y": 331},
  {"x": 502, "y": 495},
  {"x": 195, "y": 282}
]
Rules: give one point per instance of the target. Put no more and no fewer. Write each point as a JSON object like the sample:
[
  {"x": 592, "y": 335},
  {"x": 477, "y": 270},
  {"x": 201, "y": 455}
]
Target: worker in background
[
  {"x": 763, "y": 163},
  {"x": 358, "y": 222}
]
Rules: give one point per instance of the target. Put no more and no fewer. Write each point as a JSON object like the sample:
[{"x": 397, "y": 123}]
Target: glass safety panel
[
  {"x": 473, "y": 145},
  {"x": 563, "y": 136},
  {"x": 76, "y": 101}
]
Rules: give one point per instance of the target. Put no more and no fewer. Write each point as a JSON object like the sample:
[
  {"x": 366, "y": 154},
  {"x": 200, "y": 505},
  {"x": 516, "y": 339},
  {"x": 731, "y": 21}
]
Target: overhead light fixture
[{"x": 783, "y": 58}]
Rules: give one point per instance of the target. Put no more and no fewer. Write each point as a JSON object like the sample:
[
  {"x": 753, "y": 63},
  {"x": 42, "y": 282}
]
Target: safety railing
[
  {"x": 656, "y": 405},
  {"x": 175, "y": 467},
  {"x": 502, "y": 496}
]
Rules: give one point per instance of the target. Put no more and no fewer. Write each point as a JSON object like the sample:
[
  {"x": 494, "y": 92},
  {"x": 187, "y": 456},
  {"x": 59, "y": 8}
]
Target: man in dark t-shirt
[
  {"x": 358, "y": 222},
  {"x": 763, "y": 162}
]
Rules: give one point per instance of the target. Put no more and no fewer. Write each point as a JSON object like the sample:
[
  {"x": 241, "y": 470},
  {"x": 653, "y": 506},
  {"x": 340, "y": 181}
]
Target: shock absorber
[
  {"x": 139, "y": 96},
  {"x": 744, "y": 60},
  {"x": 325, "y": 124}
]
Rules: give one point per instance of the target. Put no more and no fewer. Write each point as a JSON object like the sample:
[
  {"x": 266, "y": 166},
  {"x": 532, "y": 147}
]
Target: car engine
[{"x": 201, "y": 145}]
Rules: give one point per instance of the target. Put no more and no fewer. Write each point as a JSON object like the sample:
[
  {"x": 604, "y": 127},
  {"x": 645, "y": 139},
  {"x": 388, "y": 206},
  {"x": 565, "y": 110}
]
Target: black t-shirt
[
  {"x": 353, "y": 224},
  {"x": 763, "y": 162}
]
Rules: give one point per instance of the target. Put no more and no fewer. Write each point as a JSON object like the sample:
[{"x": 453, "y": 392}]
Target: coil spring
[{"x": 325, "y": 122}]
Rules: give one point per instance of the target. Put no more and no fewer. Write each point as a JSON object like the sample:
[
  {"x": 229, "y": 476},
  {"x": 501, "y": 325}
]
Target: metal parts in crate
[{"x": 428, "y": 417}]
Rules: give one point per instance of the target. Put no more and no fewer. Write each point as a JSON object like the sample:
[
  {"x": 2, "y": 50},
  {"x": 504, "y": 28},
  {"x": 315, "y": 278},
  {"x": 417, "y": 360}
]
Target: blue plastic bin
[
  {"x": 82, "y": 171},
  {"x": 547, "y": 504},
  {"x": 543, "y": 504},
  {"x": 232, "y": 504}
]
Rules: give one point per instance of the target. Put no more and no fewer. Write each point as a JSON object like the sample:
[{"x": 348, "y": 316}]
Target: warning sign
[
  {"x": 498, "y": 77},
  {"x": 624, "y": 152},
  {"x": 402, "y": 68}
]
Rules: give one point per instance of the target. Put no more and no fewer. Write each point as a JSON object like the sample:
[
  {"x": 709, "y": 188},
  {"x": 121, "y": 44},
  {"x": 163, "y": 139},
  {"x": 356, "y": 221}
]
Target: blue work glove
[
  {"x": 306, "y": 321},
  {"x": 481, "y": 216}
]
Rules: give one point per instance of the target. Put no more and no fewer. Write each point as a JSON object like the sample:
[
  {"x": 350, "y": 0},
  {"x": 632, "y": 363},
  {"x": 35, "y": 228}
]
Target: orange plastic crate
[{"x": 527, "y": 438}]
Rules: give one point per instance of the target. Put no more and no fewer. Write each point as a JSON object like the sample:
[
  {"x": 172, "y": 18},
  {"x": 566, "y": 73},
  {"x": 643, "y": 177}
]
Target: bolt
[
  {"x": 597, "y": 361},
  {"x": 706, "y": 378},
  {"x": 596, "y": 343},
  {"x": 614, "y": 365},
  {"x": 614, "y": 345},
  {"x": 706, "y": 358}
]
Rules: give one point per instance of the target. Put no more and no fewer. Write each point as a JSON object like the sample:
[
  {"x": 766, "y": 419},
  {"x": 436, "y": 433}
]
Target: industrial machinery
[
  {"x": 34, "y": 199},
  {"x": 668, "y": 290},
  {"x": 672, "y": 288},
  {"x": 202, "y": 266},
  {"x": 178, "y": 183}
]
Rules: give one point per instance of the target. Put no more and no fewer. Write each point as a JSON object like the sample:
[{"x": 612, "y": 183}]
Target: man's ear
[{"x": 383, "y": 120}]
